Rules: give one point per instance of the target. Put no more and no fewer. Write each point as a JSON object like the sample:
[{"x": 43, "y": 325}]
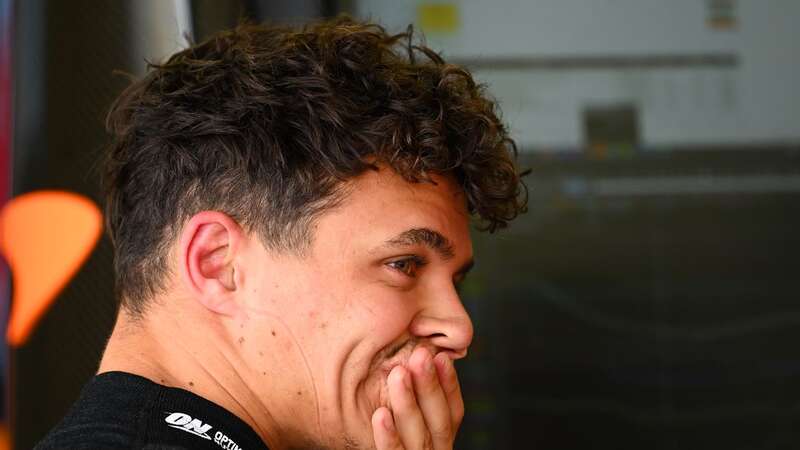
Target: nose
[{"x": 444, "y": 323}]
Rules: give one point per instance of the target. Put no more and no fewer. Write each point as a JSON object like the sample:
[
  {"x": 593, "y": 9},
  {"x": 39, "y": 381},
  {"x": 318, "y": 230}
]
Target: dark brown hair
[{"x": 267, "y": 123}]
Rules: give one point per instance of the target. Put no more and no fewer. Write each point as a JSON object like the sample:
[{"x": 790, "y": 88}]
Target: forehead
[{"x": 379, "y": 204}]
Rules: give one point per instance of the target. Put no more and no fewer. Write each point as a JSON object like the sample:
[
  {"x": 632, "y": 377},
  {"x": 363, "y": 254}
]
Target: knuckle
[
  {"x": 441, "y": 432},
  {"x": 450, "y": 381},
  {"x": 451, "y": 389},
  {"x": 428, "y": 384},
  {"x": 404, "y": 405},
  {"x": 428, "y": 442},
  {"x": 402, "y": 399},
  {"x": 458, "y": 412}
]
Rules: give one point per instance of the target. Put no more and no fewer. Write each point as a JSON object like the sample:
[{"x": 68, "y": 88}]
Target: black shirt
[{"x": 118, "y": 410}]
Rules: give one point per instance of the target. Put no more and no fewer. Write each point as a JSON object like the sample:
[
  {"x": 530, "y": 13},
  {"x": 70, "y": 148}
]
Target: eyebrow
[{"x": 425, "y": 236}]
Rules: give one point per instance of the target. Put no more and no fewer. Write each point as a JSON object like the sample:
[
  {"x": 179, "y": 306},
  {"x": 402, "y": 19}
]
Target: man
[{"x": 290, "y": 213}]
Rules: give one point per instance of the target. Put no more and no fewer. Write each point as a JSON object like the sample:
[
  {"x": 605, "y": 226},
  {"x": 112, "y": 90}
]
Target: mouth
[
  {"x": 397, "y": 355},
  {"x": 393, "y": 356}
]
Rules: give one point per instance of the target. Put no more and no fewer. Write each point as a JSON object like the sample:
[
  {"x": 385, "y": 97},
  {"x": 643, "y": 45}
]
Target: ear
[{"x": 209, "y": 244}]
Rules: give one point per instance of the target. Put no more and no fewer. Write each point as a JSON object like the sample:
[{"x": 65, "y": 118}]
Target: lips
[
  {"x": 387, "y": 359},
  {"x": 400, "y": 355}
]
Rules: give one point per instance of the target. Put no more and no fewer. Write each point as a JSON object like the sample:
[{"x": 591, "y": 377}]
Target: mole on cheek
[
  {"x": 241, "y": 340},
  {"x": 273, "y": 333}
]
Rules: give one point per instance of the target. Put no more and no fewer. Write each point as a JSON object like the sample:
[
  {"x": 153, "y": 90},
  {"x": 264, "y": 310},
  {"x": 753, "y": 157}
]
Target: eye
[{"x": 408, "y": 265}]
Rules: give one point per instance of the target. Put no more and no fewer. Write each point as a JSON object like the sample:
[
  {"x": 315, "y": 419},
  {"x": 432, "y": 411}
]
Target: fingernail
[
  {"x": 388, "y": 423},
  {"x": 443, "y": 362},
  {"x": 406, "y": 379},
  {"x": 428, "y": 365}
]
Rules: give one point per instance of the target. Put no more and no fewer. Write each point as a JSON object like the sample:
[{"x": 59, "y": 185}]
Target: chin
[
  {"x": 372, "y": 392},
  {"x": 356, "y": 425}
]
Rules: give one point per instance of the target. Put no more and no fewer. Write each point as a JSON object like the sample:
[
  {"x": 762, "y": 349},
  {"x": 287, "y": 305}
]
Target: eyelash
[{"x": 414, "y": 263}]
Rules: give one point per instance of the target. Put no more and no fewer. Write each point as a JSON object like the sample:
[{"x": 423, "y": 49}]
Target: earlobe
[{"x": 208, "y": 247}]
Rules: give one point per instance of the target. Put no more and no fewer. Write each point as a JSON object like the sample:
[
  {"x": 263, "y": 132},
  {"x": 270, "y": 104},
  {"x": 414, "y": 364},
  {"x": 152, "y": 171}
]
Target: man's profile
[{"x": 290, "y": 215}]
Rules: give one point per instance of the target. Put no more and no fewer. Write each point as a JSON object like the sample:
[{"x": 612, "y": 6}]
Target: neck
[{"x": 172, "y": 350}]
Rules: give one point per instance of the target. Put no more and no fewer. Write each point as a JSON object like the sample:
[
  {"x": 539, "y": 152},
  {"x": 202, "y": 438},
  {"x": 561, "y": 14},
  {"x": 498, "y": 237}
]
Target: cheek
[
  {"x": 389, "y": 313},
  {"x": 388, "y": 328},
  {"x": 378, "y": 322}
]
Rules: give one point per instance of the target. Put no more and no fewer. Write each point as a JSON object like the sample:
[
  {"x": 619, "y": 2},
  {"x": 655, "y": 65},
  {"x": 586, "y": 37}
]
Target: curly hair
[{"x": 268, "y": 123}]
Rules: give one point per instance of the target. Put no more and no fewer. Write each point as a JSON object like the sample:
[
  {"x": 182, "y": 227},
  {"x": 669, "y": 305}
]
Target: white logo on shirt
[{"x": 185, "y": 422}]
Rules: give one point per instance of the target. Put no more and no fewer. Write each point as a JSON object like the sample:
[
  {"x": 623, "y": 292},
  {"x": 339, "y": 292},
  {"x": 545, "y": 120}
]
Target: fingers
[
  {"x": 426, "y": 402},
  {"x": 431, "y": 399},
  {"x": 384, "y": 431},
  {"x": 448, "y": 380},
  {"x": 408, "y": 418}
]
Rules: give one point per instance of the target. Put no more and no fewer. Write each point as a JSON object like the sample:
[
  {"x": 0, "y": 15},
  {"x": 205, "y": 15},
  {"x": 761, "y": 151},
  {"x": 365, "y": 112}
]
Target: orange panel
[{"x": 45, "y": 236}]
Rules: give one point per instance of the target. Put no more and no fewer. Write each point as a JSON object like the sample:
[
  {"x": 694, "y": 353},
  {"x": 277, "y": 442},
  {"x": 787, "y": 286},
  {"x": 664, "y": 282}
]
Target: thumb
[{"x": 384, "y": 431}]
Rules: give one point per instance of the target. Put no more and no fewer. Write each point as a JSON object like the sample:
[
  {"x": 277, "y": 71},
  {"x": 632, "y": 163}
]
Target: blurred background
[{"x": 648, "y": 299}]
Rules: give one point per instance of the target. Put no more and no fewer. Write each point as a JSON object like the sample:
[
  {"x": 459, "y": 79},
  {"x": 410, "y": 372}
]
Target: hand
[{"x": 426, "y": 403}]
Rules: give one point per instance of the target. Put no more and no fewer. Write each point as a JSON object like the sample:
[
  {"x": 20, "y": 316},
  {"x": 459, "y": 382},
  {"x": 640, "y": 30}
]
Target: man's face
[{"x": 378, "y": 281}]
